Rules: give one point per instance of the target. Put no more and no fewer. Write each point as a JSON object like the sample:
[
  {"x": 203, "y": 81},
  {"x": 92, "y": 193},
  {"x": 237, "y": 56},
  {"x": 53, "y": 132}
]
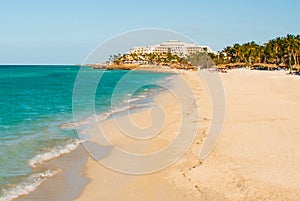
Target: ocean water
[{"x": 36, "y": 121}]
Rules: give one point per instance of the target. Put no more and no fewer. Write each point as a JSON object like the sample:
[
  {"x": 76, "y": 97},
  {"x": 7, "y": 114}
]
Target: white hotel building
[{"x": 173, "y": 47}]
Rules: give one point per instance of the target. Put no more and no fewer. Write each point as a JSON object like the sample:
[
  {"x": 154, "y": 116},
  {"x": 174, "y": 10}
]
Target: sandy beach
[
  {"x": 257, "y": 157},
  {"x": 150, "y": 101}
]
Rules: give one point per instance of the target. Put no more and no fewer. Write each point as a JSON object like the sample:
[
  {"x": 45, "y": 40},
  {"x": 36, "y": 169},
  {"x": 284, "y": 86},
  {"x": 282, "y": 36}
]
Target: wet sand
[
  {"x": 67, "y": 184},
  {"x": 257, "y": 157},
  {"x": 107, "y": 184}
]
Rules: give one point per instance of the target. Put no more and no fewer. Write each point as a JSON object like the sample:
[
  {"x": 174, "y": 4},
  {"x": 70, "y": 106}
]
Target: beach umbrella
[{"x": 221, "y": 66}]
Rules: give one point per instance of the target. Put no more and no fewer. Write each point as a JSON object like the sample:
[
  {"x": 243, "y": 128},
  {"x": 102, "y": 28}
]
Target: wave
[
  {"x": 94, "y": 118},
  {"x": 54, "y": 153},
  {"x": 132, "y": 100},
  {"x": 71, "y": 146},
  {"x": 28, "y": 185}
]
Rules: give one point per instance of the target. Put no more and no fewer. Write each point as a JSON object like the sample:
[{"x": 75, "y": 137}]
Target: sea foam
[
  {"x": 94, "y": 118},
  {"x": 54, "y": 153},
  {"x": 28, "y": 185}
]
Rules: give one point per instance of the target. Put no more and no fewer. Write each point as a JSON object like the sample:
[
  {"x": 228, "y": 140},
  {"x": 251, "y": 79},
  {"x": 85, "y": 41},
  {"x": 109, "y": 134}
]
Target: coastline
[
  {"x": 256, "y": 158},
  {"x": 65, "y": 185},
  {"x": 69, "y": 163},
  {"x": 95, "y": 105},
  {"x": 159, "y": 185},
  {"x": 144, "y": 67}
]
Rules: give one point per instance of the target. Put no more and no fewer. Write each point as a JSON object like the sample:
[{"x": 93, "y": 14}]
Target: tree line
[{"x": 281, "y": 50}]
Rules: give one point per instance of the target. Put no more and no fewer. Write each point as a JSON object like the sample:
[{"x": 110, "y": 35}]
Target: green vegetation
[
  {"x": 201, "y": 59},
  {"x": 279, "y": 52},
  {"x": 158, "y": 59},
  {"x": 284, "y": 51}
]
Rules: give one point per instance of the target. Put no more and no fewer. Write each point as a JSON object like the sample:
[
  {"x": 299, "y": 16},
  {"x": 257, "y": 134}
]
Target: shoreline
[
  {"x": 65, "y": 162},
  {"x": 239, "y": 168},
  {"x": 237, "y": 161},
  {"x": 144, "y": 67},
  {"x": 149, "y": 186},
  {"x": 67, "y": 184}
]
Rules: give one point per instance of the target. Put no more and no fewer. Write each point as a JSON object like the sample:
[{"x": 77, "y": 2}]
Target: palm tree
[
  {"x": 276, "y": 51},
  {"x": 289, "y": 46},
  {"x": 237, "y": 52}
]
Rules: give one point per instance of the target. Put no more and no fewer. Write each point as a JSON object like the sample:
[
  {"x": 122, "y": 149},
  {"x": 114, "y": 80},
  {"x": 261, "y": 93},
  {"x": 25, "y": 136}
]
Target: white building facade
[{"x": 172, "y": 46}]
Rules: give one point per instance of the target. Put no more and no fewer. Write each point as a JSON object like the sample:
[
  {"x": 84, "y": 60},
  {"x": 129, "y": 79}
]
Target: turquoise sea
[{"x": 36, "y": 121}]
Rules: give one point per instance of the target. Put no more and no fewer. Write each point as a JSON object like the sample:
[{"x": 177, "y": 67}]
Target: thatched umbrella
[
  {"x": 264, "y": 65},
  {"x": 258, "y": 66},
  {"x": 271, "y": 66},
  {"x": 283, "y": 65},
  {"x": 220, "y": 66},
  {"x": 297, "y": 67},
  {"x": 236, "y": 65}
]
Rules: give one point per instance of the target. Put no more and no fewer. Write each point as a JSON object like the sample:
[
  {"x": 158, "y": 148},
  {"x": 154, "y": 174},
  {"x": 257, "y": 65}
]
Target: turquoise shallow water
[{"x": 36, "y": 109}]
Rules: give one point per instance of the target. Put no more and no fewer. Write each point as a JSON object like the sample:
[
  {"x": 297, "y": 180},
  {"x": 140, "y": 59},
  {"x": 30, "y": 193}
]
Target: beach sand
[
  {"x": 257, "y": 157},
  {"x": 67, "y": 184}
]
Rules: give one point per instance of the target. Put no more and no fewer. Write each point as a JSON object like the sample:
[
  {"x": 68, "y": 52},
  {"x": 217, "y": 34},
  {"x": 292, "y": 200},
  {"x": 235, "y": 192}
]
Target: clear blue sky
[{"x": 65, "y": 31}]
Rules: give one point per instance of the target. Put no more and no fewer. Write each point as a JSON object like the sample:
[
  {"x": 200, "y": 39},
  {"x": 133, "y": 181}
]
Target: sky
[{"x": 65, "y": 31}]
